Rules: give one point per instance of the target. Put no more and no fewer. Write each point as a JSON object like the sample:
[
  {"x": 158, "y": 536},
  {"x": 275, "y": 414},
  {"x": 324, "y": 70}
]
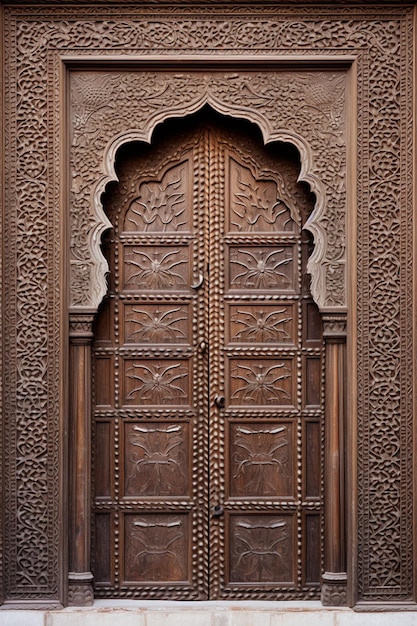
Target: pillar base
[
  {"x": 80, "y": 589},
  {"x": 334, "y": 589}
]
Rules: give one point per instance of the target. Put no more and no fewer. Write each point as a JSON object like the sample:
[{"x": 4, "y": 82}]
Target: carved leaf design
[
  {"x": 160, "y": 206},
  {"x": 260, "y": 550},
  {"x": 261, "y": 268},
  {"x": 262, "y": 383},
  {"x": 156, "y": 460},
  {"x": 156, "y": 548},
  {"x": 162, "y": 382},
  {"x": 261, "y": 455},
  {"x": 155, "y": 268},
  {"x": 268, "y": 324},
  {"x": 156, "y": 324},
  {"x": 256, "y": 205}
]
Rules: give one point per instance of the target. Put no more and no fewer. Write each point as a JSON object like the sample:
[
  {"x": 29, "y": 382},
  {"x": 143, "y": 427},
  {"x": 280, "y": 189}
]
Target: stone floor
[{"x": 130, "y": 613}]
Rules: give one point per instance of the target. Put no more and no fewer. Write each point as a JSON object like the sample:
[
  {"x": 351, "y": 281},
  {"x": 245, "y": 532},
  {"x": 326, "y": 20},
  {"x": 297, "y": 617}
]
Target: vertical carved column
[
  {"x": 80, "y": 591},
  {"x": 334, "y": 580}
]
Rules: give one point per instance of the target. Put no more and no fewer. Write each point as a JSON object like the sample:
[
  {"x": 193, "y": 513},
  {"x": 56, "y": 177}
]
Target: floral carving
[
  {"x": 261, "y": 550},
  {"x": 261, "y": 385},
  {"x": 160, "y": 325},
  {"x": 266, "y": 325},
  {"x": 255, "y": 204},
  {"x": 153, "y": 542},
  {"x": 156, "y": 383},
  {"x": 262, "y": 268},
  {"x": 156, "y": 463},
  {"x": 261, "y": 455},
  {"x": 160, "y": 205},
  {"x": 155, "y": 268}
]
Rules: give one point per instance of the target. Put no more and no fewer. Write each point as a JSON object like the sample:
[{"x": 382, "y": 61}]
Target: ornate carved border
[
  {"x": 37, "y": 40},
  {"x": 305, "y": 108}
]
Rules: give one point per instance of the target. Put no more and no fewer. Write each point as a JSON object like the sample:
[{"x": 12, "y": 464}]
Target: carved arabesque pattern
[
  {"x": 290, "y": 106},
  {"x": 382, "y": 43}
]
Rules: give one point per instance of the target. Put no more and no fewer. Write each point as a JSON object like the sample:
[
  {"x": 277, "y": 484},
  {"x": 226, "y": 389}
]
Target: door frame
[
  {"x": 215, "y": 84},
  {"x": 39, "y": 44}
]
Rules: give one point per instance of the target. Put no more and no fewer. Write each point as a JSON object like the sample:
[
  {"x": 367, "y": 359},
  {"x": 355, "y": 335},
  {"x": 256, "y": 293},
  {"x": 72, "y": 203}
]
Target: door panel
[{"x": 208, "y": 375}]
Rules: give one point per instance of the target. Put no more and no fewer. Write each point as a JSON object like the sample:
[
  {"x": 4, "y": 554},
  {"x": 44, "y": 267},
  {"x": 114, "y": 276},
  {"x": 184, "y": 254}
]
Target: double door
[{"x": 208, "y": 374}]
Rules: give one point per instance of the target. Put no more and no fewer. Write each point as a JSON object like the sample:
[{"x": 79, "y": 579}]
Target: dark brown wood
[
  {"x": 334, "y": 584},
  {"x": 80, "y": 592},
  {"x": 208, "y": 375}
]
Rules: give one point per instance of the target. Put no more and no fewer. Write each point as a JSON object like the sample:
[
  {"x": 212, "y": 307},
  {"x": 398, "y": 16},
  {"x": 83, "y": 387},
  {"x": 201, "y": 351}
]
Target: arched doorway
[{"x": 208, "y": 373}]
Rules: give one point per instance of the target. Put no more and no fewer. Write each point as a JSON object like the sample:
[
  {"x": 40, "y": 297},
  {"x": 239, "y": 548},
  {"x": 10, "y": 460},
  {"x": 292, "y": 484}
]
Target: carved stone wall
[{"x": 40, "y": 43}]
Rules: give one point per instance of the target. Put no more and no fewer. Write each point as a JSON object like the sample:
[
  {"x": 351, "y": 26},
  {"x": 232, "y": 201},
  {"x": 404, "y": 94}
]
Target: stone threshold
[{"x": 211, "y": 613}]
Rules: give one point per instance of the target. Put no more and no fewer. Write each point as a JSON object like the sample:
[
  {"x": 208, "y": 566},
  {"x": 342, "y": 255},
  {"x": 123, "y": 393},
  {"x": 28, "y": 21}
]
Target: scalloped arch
[{"x": 314, "y": 148}]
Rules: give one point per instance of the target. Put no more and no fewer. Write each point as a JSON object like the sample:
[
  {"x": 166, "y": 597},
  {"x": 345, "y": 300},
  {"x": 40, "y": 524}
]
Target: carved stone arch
[{"x": 318, "y": 133}]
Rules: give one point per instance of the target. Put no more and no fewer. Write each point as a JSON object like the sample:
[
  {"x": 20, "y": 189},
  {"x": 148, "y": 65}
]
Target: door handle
[
  {"x": 218, "y": 511},
  {"x": 199, "y": 283},
  {"x": 220, "y": 402}
]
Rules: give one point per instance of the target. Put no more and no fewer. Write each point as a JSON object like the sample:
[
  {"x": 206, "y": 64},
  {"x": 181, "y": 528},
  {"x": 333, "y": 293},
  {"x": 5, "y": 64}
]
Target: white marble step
[{"x": 158, "y": 613}]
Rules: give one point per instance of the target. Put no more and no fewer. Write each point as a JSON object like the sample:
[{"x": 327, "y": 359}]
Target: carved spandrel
[
  {"x": 263, "y": 382},
  {"x": 262, "y": 268},
  {"x": 256, "y": 205},
  {"x": 261, "y": 549},
  {"x": 262, "y": 460},
  {"x": 152, "y": 268},
  {"x": 265, "y": 97},
  {"x": 156, "y": 324},
  {"x": 156, "y": 548},
  {"x": 156, "y": 382},
  {"x": 161, "y": 205},
  {"x": 156, "y": 459},
  {"x": 262, "y": 323}
]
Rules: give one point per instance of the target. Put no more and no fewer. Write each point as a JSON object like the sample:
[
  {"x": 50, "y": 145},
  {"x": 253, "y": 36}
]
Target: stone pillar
[
  {"x": 80, "y": 590},
  {"x": 334, "y": 580}
]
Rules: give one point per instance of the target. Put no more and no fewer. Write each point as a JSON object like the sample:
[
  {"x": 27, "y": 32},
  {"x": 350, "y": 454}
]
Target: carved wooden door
[{"x": 208, "y": 376}]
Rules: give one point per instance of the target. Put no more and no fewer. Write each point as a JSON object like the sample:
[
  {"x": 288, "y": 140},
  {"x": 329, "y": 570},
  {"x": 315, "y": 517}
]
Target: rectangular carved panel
[
  {"x": 152, "y": 268},
  {"x": 155, "y": 548},
  {"x": 150, "y": 324},
  {"x": 262, "y": 460},
  {"x": 262, "y": 268},
  {"x": 149, "y": 382},
  {"x": 269, "y": 323},
  {"x": 261, "y": 549},
  {"x": 156, "y": 459},
  {"x": 264, "y": 382}
]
